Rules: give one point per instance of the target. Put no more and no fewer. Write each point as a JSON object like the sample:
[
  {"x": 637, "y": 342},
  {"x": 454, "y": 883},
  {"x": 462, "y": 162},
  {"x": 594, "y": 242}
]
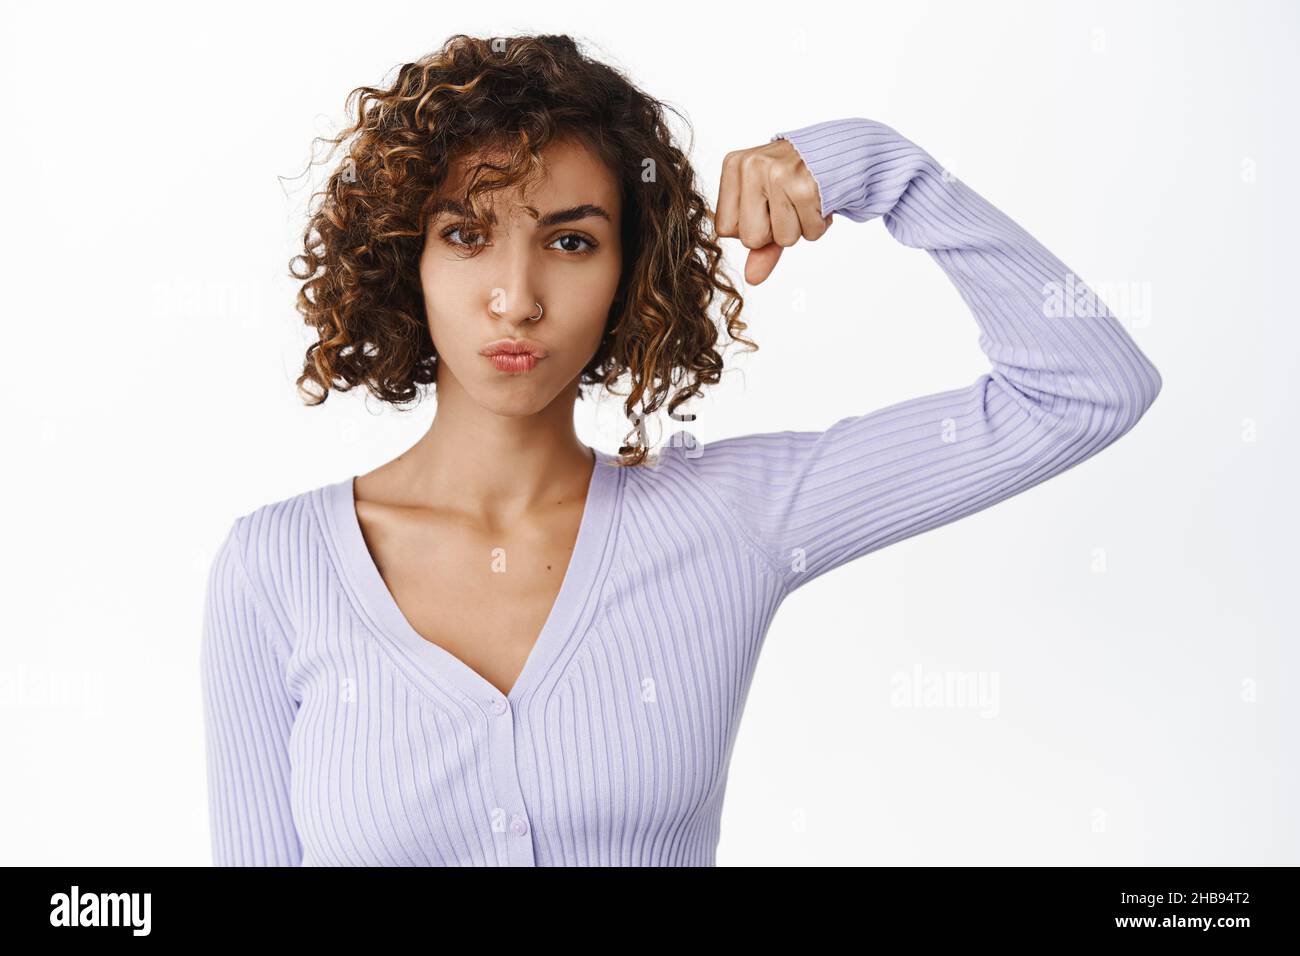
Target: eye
[
  {"x": 592, "y": 245},
  {"x": 457, "y": 230},
  {"x": 463, "y": 236}
]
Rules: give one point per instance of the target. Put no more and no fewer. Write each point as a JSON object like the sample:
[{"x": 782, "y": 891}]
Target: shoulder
[
  {"x": 718, "y": 484},
  {"x": 274, "y": 544},
  {"x": 272, "y": 533},
  {"x": 738, "y": 465}
]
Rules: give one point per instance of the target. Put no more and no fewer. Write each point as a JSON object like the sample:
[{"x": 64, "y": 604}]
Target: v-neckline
[{"x": 378, "y": 604}]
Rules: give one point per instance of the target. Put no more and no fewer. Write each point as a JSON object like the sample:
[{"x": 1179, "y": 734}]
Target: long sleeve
[
  {"x": 1066, "y": 379},
  {"x": 248, "y": 713}
]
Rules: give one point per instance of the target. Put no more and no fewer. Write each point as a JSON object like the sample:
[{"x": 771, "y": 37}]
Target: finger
[
  {"x": 784, "y": 218},
  {"x": 727, "y": 219},
  {"x": 755, "y": 223},
  {"x": 761, "y": 262},
  {"x": 803, "y": 195},
  {"x": 814, "y": 226}
]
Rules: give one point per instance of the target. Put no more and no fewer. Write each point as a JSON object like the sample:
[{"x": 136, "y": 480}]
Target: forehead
[{"x": 572, "y": 174}]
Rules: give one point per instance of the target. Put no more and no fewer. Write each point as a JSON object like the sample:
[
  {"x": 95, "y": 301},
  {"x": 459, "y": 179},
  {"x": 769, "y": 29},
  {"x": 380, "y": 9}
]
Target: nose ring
[{"x": 540, "y": 310}]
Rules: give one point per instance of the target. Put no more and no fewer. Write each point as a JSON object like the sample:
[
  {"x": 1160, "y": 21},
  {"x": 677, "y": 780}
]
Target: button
[
  {"x": 497, "y": 705},
  {"x": 518, "y": 825}
]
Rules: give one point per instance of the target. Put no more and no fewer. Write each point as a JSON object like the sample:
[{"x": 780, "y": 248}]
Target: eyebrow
[{"x": 572, "y": 214}]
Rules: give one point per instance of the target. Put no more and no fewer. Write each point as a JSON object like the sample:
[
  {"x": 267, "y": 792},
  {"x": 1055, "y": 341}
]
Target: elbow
[
  {"x": 1147, "y": 383},
  {"x": 1127, "y": 405}
]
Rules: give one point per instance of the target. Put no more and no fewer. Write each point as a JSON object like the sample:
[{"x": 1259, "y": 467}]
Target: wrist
[{"x": 861, "y": 166}]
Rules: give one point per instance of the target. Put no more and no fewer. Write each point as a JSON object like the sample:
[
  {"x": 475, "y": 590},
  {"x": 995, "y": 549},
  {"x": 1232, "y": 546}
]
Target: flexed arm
[{"x": 1066, "y": 379}]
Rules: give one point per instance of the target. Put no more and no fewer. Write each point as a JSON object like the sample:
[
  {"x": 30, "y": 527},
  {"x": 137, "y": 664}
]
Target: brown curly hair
[{"x": 361, "y": 291}]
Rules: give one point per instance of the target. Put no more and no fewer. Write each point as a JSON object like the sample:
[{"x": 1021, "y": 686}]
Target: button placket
[{"x": 505, "y": 782}]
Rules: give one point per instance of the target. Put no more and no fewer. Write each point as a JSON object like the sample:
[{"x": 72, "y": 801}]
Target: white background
[{"x": 1133, "y": 619}]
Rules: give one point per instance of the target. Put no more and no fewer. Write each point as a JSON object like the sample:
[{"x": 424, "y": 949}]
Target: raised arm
[
  {"x": 248, "y": 714},
  {"x": 1066, "y": 379}
]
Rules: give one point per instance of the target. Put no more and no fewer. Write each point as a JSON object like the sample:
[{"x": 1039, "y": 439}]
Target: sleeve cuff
[{"x": 861, "y": 166}]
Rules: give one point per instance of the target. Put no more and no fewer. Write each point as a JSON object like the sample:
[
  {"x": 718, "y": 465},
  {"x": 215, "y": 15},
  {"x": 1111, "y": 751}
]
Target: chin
[{"x": 513, "y": 399}]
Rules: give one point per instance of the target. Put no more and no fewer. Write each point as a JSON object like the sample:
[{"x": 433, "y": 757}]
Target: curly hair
[{"x": 361, "y": 291}]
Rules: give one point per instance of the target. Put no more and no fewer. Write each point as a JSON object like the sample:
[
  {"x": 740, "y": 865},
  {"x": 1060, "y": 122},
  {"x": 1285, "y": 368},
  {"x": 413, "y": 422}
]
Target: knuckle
[{"x": 804, "y": 188}]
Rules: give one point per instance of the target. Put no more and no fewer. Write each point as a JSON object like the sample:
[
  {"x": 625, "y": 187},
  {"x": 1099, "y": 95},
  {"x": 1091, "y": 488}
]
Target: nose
[
  {"x": 516, "y": 301},
  {"x": 513, "y": 308}
]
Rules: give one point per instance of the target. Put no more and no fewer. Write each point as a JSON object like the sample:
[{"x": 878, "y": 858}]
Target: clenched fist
[{"x": 768, "y": 199}]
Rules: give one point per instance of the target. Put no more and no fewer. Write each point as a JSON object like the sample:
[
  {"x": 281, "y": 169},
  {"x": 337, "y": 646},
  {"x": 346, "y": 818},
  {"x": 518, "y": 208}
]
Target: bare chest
[{"x": 483, "y": 598}]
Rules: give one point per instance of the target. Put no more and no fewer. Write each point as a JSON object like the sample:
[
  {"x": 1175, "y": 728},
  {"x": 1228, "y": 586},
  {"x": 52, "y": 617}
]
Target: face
[{"x": 557, "y": 245}]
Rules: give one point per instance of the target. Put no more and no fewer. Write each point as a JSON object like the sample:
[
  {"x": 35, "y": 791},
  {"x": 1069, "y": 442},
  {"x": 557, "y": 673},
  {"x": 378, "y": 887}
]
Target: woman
[{"x": 504, "y": 647}]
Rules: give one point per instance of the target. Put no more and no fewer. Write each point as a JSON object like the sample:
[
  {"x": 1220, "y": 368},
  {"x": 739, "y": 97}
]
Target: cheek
[
  {"x": 594, "y": 290},
  {"x": 585, "y": 296},
  {"x": 449, "y": 292}
]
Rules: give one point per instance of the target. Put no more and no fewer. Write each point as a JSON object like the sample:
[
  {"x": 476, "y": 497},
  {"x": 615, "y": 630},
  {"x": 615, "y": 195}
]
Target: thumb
[{"x": 761, "y": 262}]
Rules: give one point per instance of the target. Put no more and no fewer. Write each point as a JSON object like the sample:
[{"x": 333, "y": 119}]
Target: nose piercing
[{"x": 540, "y": 310}]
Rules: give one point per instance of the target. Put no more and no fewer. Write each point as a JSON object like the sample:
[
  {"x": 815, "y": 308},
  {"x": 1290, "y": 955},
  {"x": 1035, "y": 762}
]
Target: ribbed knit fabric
[{"x": 337, "y": 735}]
